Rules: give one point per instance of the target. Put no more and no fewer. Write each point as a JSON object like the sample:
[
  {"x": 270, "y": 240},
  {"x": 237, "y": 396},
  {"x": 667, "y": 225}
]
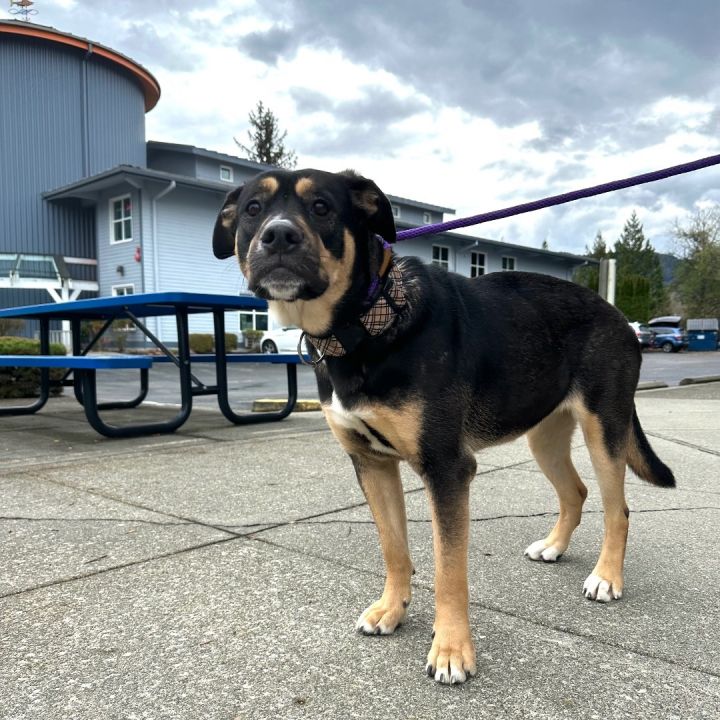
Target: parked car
[
  {"x": 669, "y": 335},
  {"x": 644, "y": 334},
  {"x": 282, "y": 340}
]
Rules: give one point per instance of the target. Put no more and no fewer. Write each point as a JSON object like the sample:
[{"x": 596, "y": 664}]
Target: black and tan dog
[{"x": 414, "y": 363}]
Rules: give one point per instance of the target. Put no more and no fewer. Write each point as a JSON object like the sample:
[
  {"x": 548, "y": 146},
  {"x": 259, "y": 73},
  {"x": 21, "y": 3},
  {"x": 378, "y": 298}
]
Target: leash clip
[{"x": 301, "y": 355}]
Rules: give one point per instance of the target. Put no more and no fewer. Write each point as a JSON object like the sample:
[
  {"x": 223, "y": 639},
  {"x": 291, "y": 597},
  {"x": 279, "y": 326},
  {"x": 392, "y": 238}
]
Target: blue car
[{"x": 669, "y": 336}]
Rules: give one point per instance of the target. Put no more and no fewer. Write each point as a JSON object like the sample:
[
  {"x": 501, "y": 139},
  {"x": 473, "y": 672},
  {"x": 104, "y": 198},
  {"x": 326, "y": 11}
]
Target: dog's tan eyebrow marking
[
  {"x": 228, "y": 214},
  {"x": 367, "y": 200},
  {"x": 270, "y": 185},
  {"x": 304, "y": 186}
]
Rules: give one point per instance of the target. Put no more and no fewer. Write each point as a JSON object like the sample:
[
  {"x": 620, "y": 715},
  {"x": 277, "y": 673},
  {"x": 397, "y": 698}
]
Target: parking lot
[
  {"x": 670, "y": 368},
  {"x": 251, "y": 382}
]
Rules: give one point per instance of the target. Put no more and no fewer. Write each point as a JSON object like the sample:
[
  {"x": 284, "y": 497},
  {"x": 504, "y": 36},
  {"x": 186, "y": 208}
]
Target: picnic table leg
[
  {"x": 89, "y": 394},
  {"x": 222, "y": 384},
  {"x": 77, "y": 385},
  {"x": 88, "y": 382},
  {"x": 33, "y": 407}
]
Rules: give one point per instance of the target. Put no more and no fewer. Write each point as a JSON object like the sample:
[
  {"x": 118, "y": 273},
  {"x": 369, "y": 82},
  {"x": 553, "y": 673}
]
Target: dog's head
[{"x": 305, "y": 241}]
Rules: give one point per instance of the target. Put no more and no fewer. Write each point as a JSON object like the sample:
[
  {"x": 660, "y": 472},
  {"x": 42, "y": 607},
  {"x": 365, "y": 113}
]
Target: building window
[
  {"x": 508, "y": 263},
  {"x": 427, "y": 218},
  {"x": 123, "y": 290},
  {"x": 477, "y": 264},
  {"x": 121, "y": 219},
  {"x": 396, "y": 211},
  {"x": 226, "y": 173},
  {"x": 253, "y": 320},
  {"x": 441, "y": 256}
]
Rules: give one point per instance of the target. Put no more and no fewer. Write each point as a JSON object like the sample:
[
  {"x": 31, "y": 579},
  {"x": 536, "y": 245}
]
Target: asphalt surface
[
  {"x": 671, "y": 368},
  {"x": 217, "y": 573},
  {"x": 250, "y": 382}
]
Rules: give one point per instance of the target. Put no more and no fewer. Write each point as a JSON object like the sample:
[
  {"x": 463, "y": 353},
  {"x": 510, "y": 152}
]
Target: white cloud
[{"x": 469, "y": 105}]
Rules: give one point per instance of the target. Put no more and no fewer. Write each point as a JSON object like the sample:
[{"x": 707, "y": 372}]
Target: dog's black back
[{"x": 504, "y": 349}]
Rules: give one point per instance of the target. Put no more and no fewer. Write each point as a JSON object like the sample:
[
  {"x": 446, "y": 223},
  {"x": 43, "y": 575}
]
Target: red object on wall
[{"x": 138, "y": 254}]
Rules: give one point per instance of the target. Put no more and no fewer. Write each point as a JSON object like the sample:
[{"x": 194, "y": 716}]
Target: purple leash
[{"x": 560, "y": 199}]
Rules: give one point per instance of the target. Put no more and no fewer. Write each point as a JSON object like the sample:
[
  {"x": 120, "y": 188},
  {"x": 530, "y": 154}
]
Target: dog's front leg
[
  {"x": 380, "y": 481},
  {"x": 452, "y": 656}
]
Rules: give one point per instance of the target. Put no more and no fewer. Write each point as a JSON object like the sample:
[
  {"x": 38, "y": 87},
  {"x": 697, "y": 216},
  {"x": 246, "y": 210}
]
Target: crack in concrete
[
  {"x": 684, "y": 443},
  {"x": 121, "y": 566},
  {"x": 341, "y": 521},
  {"x": 501, "y": 611},
  {"x": 21, "y": 518}
]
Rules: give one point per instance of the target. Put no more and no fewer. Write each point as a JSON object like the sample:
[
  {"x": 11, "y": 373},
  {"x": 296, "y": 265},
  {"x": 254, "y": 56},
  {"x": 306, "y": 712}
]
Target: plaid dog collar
[{"x": 375, "y": 321}]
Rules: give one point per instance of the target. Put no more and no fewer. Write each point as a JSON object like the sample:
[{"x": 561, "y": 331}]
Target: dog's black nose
[{"x": 281, "y": 238}]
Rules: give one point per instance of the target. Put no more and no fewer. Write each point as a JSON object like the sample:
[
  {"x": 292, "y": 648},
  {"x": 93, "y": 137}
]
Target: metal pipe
[{"x": 155, "y": 250}]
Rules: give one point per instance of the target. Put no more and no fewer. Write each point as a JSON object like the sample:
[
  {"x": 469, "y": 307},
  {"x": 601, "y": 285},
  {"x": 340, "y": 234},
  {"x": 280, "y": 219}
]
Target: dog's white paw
[
  {"x": 595, "y": 588},
  {"x": 366, "y": 627},
  {"x": 381, "y": 618},
  {"x": 452, "y": 675},
  {"x": 540, "y": 551},
  {"x": 451, "y": 659}
]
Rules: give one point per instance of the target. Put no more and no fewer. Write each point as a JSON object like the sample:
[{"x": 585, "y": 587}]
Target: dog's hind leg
[
  {"x": 607, "y": 446},
  {"x": 549, "y": 442},
  {"x": 452, "y": 655},
  {"x": 380, "y": 481}
]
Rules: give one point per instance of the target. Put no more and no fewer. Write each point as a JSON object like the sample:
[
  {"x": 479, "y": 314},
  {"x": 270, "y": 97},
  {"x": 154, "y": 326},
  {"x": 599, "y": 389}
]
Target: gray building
[
  {"x": 87, "y": 206},
  {"x": 69, "y": 108}
]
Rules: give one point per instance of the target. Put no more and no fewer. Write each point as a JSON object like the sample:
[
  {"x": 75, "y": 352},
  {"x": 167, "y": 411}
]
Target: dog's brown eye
[
  {"x": 320, "y": 207},
  {"x": 253, "y": 208}
]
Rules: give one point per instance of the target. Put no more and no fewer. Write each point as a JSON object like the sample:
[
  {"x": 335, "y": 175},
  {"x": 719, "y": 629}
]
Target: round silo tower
[{"x": 69, "y": 109}]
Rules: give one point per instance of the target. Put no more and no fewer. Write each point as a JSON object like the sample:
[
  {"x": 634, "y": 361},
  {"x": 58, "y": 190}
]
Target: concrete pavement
[{"x": 217, "y": 573}]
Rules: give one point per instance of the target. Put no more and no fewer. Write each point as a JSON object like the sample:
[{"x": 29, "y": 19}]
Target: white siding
[
  {"x": 526, "y": 259},
  {"x": 113, "y": 256},
  {"x": 185, "y": 221}
]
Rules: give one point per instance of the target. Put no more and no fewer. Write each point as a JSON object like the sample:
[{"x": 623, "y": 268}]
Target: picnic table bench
[{"x": 82, "y": 366}]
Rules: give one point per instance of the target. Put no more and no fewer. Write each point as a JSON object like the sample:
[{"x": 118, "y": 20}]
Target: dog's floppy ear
[
  {"x": 368, "y": 197},
  {"x": 226, "y": 225}
]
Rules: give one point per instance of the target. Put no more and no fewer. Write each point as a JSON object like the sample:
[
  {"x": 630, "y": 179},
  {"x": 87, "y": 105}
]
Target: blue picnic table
[{"x": 81, "y": 366}]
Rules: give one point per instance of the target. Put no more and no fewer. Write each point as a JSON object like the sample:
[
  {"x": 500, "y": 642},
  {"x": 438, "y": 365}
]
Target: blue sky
[{"x": 468, "y": 104}]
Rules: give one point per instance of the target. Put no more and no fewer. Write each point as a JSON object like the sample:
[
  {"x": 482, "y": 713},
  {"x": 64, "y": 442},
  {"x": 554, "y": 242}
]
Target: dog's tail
[{"x": 642, "y": 458}]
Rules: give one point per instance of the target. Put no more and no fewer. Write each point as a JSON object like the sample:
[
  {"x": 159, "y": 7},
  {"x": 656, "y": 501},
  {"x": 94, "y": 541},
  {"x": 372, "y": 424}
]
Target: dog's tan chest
[{"x": 376, "y": 428}]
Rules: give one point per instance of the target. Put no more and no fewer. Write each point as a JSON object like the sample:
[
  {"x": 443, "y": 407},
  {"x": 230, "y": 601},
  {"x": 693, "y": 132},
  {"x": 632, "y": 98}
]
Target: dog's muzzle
[
  {"x": 283, "y": 265},
  {"x": 280, "y": 237}
]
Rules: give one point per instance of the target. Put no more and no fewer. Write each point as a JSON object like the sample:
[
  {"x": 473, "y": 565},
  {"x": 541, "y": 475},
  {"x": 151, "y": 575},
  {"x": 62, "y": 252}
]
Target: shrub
[
  {"x": 11, "y": 326},
  {"x": 22, "y": 382},
  {"x": 252, "y": 339},
  {"x": 201, "y": 342},
  {"x": 231, "y": 342}
]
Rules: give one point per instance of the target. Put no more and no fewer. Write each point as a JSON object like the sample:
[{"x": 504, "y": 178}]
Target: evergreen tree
[
  {"x": 697, "y": 278},
  {"x": 589, "y": 275},
  {"x": 267, "y": 143},
  {"x": 636, "y": 257}
]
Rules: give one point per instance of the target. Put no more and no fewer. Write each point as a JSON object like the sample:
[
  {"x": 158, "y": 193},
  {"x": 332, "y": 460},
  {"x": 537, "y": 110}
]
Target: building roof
[
  {"x": 84, "y": 189},
  {"x": 147, "y": 82},
  {"x": 419, "y": 204},
  {"x": 261, "y": 167},
  {"x": 202, "y": 152},
  {"x": 474, "y": 242}
]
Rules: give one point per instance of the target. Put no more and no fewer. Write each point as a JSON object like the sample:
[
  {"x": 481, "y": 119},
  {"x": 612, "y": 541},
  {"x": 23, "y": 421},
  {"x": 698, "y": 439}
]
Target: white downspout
[{"x": 155, "y": 249}]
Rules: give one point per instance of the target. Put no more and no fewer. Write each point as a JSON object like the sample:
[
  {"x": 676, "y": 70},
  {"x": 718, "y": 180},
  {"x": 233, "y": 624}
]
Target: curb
[
  {"x": 268, "y": 405},
  {"x": 652, "y": 385},
  {"x": 698, "y": 380}
]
